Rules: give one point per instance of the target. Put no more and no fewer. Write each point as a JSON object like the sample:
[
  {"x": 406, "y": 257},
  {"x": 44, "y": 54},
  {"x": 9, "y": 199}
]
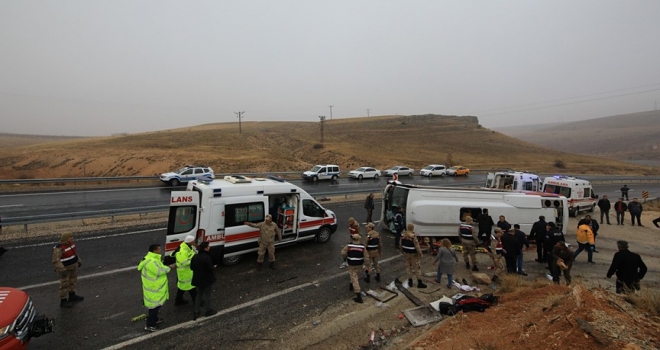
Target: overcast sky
[{"x": 101, "y": 67}]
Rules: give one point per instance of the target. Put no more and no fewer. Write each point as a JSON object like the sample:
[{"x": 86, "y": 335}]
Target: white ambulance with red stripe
[
  {"x": 579, "y": 192},
  {"x": 215, "y": 211}
]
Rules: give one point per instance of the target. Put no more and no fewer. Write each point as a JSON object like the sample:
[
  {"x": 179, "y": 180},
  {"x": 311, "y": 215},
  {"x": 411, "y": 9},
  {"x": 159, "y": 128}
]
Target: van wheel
[
  {"x": 323, "y": 236},
  {"x": 315, "y": 178},
  {"x": 573, "y": 212},
  {"x": 334, "y": 177},
  {"x": 232, "y": 260},
  {"x": 174, "y": 182},
  {"x": 591, "y": 210}
]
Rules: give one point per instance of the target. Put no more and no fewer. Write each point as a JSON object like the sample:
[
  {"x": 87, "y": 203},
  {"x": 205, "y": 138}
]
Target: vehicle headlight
[{"x": 6, "y": 330}]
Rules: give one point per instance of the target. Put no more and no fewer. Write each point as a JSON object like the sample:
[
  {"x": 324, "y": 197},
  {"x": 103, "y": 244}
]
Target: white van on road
[
  {"x": 215, "y": 211},
  {"x": 322, "y": 172}
]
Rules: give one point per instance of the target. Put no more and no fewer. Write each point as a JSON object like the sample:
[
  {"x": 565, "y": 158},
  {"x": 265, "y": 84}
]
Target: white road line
[
  {"x": 111, "y": 272},
  {"x": 91, "y": 238},
  {"x": 11, "y": 205},
  {"x": 74, "y": 192},
  {"x": 231, "y": 309}
]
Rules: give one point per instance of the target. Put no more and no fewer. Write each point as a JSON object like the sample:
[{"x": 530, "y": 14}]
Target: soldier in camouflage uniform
[
  {"x": 268, "y": 231},
  {"x": 413, "y": 254},
  {"x": 470, "y": 241},
  {"x": 356, "y": 254},
  {"x": 66, "y": 262}
]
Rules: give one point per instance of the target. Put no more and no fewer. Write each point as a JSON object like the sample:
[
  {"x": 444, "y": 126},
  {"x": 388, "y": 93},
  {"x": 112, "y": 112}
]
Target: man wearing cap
[
  {"x": 413, "y": 254},
  {"x": 629, "y": 269},
  {"x": 184, "y": 274},
  {"x": 356, "y": 255},
  {"x": 268, "y": 230},
  {"x": 470, "y": 241},
  {"x": 374, "y": 250},
  {"x": 66, "y": 262}
]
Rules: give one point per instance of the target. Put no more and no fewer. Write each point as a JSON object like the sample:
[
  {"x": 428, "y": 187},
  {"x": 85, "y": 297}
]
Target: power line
[
  {"x": 564, "y": 104},
  {"x": 240, "y": 117},
  {"x": 574, "y": 97},
  {"x": 331, "y": 111}
]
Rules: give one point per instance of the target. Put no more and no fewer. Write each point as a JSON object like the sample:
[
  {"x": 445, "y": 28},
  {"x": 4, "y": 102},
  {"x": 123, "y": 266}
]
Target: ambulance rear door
[{"x": 183, "y": 218}]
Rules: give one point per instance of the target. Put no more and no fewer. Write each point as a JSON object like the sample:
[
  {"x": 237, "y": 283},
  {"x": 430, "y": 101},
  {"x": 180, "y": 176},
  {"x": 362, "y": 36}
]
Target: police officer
[
  {"x": 374, "y": 251},
  {"x": 66, "y": 262},
  {"x": 413, "y": 254},
  {"x": 184, "y": 274},
  {"x": 470, "y": 241},
  {"x": 155, "y": 289},
  {"x": 356, "y": 254}
]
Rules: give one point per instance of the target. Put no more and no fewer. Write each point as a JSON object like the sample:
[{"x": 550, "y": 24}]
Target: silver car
[
  {"x": 401, "y": 170},
  {"x": 364, "y": 173},
  {"x": 434, "y": 170}
]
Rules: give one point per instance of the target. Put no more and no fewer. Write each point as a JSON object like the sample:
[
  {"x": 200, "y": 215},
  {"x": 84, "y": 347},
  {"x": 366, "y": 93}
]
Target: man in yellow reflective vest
[
  {"x": 154, "y": 285},
  {"x": 184, "y": 274}
]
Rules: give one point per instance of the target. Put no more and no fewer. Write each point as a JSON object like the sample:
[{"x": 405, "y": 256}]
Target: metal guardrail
[{"x": 47, "y": 218}]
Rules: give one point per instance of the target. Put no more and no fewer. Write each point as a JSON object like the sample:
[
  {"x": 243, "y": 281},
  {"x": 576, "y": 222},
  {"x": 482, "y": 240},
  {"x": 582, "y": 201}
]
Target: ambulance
[
  {"x": 215, "y": 211},
  {"x": 579, "y": 192},
  {"x": 438, "y": 211},
  {"x": 514, "y": 180}
]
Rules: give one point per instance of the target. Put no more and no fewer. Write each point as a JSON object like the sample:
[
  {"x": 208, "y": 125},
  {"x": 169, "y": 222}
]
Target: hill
[
  {"x": 296, "y": 146},
  {"x": 19, "y": 140},
  {"x": 628, "y": 137}
]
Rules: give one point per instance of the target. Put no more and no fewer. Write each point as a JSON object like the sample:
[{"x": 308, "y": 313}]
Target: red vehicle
[{"x": 19, "y": 321}]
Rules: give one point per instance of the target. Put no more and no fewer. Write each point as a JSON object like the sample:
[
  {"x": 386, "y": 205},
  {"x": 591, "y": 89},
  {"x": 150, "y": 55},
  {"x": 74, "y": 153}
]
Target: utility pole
[
  {"x": 240, "y": 117},
  {"x": 368, "y": 112},
  {"x": 330, "y": 111},
  {"x": 322, "y": 118}
]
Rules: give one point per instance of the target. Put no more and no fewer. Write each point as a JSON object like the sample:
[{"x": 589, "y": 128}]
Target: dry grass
[
  {"x": 646, "y": 299},
  {"x": 293, "y": 146}
]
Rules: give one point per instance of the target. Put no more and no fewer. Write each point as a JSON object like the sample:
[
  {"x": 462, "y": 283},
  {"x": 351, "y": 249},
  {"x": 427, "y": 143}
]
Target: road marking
[
  {"x": 74, "y": 192},
  {"x": 111, "y": 272},
  {"x": 91, "y": 238},
  {"x": 11, "y": 205},
  {"x": 231, "y": 309}
]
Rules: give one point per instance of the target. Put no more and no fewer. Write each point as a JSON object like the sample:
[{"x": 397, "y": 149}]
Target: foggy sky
[{"x": 101, "y": 67}]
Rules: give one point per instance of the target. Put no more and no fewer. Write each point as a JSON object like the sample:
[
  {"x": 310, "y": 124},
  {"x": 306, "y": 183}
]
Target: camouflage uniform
[
  {"x": 267, "y": 240},
  {"x": 470, "y": 241},
  {"x": 413, "y": 254},
  {"x": 66, "y": 263},
  {"x": 356, "y": 254}
]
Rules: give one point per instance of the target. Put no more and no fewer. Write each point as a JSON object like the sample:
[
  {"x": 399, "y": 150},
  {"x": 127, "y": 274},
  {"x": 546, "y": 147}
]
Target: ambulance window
[
  {"x": 311, "y": 208},
  {"x": 182, "y": 219},
  {"x": 237, "y": 214},
  {"x": 587, "y": 193},
  {"x": 528, "y": 186},
  {"x": 472, "y": 212}
]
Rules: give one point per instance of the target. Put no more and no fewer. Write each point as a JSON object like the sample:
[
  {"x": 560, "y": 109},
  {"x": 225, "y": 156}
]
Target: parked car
[
  {"x": 433, "y": 170},
  {"x": 458, "y": 170},
  {"x": 19, "y": 320},
  {"x": 188, "y": 173},
  {"x": 364, "y": 172},
  {"x": 322, "y": 172},
  {"x": 399, "y": 169}
]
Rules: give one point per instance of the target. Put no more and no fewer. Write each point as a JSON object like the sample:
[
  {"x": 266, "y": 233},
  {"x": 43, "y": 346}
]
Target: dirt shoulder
[{"x": 586, "y": 315}]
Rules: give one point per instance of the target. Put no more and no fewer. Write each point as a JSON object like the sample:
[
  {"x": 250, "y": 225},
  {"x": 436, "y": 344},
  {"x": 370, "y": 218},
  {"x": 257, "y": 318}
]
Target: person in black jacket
[
  {"x": 604, "y": 205},
  {"x": 522, "y": 238},
  {"x": 561, "y": 252},
  {"x": 503, "y": 224},
  {"x": 620, "y": 207},
  {"x": 537, "y": 234},
  {"x": 552, "y": 236},
  {"x": 629, "y": 269},
  {"x": 203, "y": 279},
  {"x": 485, "y": 228},
  {"x": 511, "y": 247}
]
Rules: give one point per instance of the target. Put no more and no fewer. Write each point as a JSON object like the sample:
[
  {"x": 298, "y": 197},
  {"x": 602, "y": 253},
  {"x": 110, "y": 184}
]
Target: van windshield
[{"x": 316, "y": 169}]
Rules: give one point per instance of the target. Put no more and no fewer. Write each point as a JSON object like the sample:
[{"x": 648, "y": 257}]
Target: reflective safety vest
[
  {"x": 408, "y": 246},
  {"x": 372, "y": 243},
  {"x": 465, "y": 231},
  {"x": 355, "y": 254},
  {"x": 69, "y": 256},
  {"x": 154, "y": 280},
  {"x": 183, "y": 272}
]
